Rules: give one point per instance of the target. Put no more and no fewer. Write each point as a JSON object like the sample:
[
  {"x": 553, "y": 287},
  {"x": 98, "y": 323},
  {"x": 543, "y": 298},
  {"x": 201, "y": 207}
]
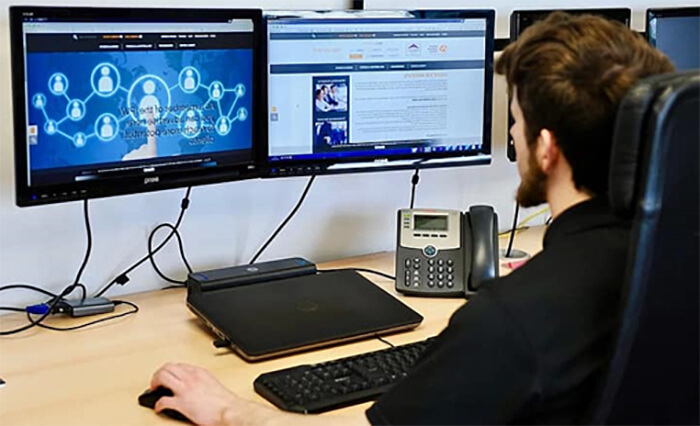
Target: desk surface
[{"x": 94, "y": 376}]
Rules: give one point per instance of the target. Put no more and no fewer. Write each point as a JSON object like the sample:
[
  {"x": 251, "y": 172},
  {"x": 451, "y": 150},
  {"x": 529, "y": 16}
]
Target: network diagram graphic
[{"x": 146, "y": 104}]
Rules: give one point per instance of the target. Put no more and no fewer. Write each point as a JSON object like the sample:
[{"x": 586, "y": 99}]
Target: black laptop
[{"x": 262, "y": 320}]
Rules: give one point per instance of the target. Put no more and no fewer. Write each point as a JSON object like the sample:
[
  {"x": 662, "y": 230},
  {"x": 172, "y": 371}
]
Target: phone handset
[{"x": 480, "y": 242}]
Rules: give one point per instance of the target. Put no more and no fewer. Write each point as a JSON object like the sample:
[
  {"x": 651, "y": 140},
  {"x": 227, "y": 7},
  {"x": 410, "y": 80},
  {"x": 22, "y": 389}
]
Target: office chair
[{"x": 654, "y": 181}]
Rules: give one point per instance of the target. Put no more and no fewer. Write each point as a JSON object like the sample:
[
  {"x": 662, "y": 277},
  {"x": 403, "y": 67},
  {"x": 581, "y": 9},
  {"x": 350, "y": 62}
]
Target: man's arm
[{"x": 199, "y": 396}]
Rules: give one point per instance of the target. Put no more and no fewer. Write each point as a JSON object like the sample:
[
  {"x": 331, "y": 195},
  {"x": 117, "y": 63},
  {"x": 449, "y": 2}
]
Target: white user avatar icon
[
  {"x": 190, "y": 123},
  {"x": 216, "y": 91},
  {"x": 149, "y": 102},
  {"x": 79, "y": 140},
  {"x": 51, "y": 128},
  {"x": 240, "y": 90},
  {"x": 58, "y": 85},
  {"x": 75, "y": 111},
  {"x": 107, "y": 130},
  {"x": 106, "y": 84},
  {"x": 242, "y": 114},
  {"x": 39, "y": 101},
  {"x": 223, "y": 127},
  {"x": 189, "y": 80}
]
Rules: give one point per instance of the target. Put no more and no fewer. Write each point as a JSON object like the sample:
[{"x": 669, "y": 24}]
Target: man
[
  {"x": 321, "y": 104},
  {"x": 529, "y": 347}
]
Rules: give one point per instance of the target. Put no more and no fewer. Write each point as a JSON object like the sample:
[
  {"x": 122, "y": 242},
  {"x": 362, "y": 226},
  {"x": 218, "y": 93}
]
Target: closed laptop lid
[{"x": 274, "y": 318}]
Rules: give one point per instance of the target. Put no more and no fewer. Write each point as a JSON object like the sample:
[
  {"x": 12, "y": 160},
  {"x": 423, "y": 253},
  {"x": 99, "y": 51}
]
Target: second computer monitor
[
  {"x": 676, "y": 32},
  {"x": 520, "y": 20},
  {"x": 367, "y": 91}
]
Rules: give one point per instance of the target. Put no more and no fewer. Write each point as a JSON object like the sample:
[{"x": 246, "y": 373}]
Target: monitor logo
[
  {"x": 149, "y": 180},
  {"x": 413, "y": 49}
]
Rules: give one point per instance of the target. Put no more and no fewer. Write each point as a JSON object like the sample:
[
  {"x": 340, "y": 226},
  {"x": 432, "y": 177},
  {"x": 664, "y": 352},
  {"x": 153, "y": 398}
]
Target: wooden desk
[{"x": 94, "y": 376}]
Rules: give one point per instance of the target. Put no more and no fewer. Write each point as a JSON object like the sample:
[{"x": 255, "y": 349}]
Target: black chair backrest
[{"x": 654, "y": 373}]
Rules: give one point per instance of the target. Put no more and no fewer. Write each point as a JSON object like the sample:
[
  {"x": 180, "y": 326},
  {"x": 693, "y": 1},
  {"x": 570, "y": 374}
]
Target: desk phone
[{"x": 446, "y": 253}]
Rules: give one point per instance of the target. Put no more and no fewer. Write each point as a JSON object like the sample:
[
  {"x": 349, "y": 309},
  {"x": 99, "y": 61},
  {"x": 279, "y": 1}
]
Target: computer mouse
[{"x": 150, "y": 397}]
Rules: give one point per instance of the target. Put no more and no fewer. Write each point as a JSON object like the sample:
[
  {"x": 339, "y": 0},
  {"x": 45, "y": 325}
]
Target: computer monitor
[
  {"x": 520, "y": 20},
  {"x": 358, "y": 91},
  {"x": 112, "y": 101},
  {"x": 676, "y": 32}
]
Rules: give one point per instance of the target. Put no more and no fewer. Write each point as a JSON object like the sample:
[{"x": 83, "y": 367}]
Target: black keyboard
[{"x": 339, "y": 383}]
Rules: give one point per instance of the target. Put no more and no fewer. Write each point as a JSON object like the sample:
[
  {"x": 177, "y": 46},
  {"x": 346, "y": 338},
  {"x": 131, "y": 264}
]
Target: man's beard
[{"x": 533, "y": 186}]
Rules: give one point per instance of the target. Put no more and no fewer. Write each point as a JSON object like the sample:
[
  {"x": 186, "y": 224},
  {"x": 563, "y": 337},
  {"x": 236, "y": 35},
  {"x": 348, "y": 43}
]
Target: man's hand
[
  {"x": 196, "y": 393},
  {"x": 204, "y": 400}
]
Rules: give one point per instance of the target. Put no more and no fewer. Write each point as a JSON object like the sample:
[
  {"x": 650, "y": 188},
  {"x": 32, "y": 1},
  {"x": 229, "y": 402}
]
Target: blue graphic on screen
[{"x": 104, "y": 107}]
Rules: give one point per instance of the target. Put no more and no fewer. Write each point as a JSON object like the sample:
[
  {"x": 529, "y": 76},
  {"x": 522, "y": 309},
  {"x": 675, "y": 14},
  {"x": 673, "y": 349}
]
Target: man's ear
[{"x": 548, "y": 152}]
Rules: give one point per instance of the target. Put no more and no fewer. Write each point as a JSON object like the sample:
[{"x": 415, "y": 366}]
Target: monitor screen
[
  {"x": 114, "y": 101},
  {"x": 676, "y": 32},
  {"x": 363, "y": 91},
  {"x": 520, "y": 20}
]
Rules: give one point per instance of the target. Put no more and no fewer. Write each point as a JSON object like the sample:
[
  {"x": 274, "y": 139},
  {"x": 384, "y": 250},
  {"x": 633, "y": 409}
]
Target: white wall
[{"x": 342, "y": 216}]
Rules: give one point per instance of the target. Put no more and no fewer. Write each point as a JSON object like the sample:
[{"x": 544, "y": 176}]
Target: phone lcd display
[{"x": 429, "y": 223}]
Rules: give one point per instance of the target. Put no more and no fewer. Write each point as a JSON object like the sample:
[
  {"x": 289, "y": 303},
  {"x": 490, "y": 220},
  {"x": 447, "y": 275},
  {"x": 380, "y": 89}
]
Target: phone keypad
[{"x": 437, "y": 276}]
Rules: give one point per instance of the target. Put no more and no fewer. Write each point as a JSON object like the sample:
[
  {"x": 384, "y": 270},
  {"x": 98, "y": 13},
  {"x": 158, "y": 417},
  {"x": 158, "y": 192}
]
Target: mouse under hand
[{"x": 150, "y": 397}]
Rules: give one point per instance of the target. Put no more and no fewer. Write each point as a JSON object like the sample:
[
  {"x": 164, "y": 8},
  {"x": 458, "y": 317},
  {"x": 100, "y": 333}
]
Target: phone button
[
  {"x": 431, "y": 261},
  {"x": 430, "y": 251},
  {"x": 450, "y": 262},
  {"x": 441, "y": 284},
  {"x": 431, "y": 284}
]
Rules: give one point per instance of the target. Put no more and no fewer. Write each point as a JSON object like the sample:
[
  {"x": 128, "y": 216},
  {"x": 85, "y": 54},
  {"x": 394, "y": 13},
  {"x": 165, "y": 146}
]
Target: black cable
[
  {"x": 55, "y": 298},
  {"x": 88, "y": 250},
  {"x": 51, "y": 305},
  {"x": 28, "y": 287},
  {"x": 414, "y": 182},
  {"x": 385, "y": 341},
  {"x": 369, "y": 271},
  {"x": 182, "y": 252},
  {"x": 123, "y": 277},
  {"x": 512, "y": 231},
  {"x": 284, "y": 223},
  {"x": 77, "y": 327},
  {"x": 10, "y": 308}
]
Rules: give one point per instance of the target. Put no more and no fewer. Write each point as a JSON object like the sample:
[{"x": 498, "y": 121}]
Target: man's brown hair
[{"x": 570, "y": 74}]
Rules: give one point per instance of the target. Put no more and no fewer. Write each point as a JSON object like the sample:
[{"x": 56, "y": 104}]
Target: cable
[
  {"x": 512, "y": 231},
  {"x": 51, "y": 305},
  {"x": 55, "y": 298},
  {"x": 385, "y": 341},
  {"x": 284, "y": 223},
  {"x": 77, "y": 327},
  {"x": 414, "y": 182},
  {"x": 123, "y": 278},
  {"x": 28, "y": 287},
  {"x": 12, "y": 309},
  {"x": 88, "y": 250},
  {"x": 182, "y": 252},
  {"x": 369, "y": 271}
]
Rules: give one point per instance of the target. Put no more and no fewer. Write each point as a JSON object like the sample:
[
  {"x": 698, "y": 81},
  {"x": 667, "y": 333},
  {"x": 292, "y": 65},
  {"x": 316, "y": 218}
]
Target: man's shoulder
[{"x": 562, "y": 283}]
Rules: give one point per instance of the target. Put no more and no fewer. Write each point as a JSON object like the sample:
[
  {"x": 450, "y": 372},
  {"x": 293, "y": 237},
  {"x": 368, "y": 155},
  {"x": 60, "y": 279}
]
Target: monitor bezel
[
  {"x": 308, "y": 167},
  {"x": 670, "y": 12},
  {"x": 516, "y": 18},
  {"x": 26, "y": 195}
]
